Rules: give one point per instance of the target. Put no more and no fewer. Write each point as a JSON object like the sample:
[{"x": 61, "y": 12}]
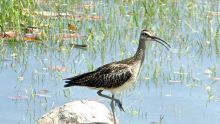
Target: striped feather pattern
[{"x": 108, "y": 76}]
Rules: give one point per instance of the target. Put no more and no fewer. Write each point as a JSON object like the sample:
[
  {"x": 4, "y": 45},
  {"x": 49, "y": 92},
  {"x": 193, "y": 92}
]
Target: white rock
[{"x": 78, "y": 112}]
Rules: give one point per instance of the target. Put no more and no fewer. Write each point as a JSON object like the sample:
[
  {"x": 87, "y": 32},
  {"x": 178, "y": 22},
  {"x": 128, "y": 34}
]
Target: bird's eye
[{"x": 145, "y": 34}]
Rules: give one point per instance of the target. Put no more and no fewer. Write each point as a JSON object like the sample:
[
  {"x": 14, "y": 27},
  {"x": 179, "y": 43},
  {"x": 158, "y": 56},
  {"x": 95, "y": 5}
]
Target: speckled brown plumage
[
  {"x": 108, "y": 76},
  {"x": 115, "y": 74}
]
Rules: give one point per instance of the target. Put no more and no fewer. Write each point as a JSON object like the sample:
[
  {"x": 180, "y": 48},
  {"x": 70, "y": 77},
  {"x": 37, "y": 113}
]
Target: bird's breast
[
  {"x": 128, "y": 84},
  {"x": 136, "y": 69}
]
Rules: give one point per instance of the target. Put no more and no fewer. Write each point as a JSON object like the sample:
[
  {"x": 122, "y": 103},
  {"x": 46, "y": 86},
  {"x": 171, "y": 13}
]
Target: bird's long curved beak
[{"x": 164, "y": 43}]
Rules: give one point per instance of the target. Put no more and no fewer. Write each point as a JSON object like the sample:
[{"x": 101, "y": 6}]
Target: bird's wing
[{"x": 107, "y": 76}]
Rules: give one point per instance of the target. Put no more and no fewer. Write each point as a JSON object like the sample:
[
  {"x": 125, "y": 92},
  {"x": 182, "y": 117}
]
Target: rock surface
[{"x": 78, "y": 112}]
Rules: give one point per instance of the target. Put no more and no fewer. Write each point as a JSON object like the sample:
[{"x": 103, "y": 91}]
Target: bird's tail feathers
[
  {"x": 77, "y": 80},
  {"x": 68, "y": 85},
  {"x": 69, "y": 82}
]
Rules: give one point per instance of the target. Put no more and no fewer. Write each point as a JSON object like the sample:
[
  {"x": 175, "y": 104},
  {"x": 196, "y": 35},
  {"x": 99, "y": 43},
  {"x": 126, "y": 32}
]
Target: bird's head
[{"x": 148, "y": 36}]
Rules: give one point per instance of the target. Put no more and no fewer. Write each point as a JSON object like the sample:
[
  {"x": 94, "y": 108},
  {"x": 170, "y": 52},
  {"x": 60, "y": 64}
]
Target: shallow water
[{"x": 176, "y": 86}]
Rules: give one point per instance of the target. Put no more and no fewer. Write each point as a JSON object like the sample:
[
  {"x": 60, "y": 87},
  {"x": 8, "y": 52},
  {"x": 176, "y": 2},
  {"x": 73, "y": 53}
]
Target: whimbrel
[{"x": 119, "y": 75}]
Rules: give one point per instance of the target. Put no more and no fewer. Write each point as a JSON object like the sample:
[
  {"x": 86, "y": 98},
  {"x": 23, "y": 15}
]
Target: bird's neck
[{"x": 140, "y": 53}]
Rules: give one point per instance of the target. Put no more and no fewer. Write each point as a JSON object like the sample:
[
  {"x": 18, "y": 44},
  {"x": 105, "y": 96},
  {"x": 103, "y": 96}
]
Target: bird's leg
[
  {"x": 112, "y": 98},
  {"x": 113, "y": 109}
]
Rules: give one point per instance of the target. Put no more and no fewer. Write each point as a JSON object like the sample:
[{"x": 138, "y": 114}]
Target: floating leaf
[
  {"x": 18, "y": 97},
  {"x": 52, "y": 14},
  {"x": 88, "y": 17},
  {"x": 95, "y": 17},
  {"x": 174, "y": 81},
  {"x": 216, "y": 78},
  {"x": 83, "y": 46},
  {"x": 49, "y": 14},
  {"x": 59, "y": 68},
  {"x": 44, "y": 91},
  {"x": 212, "y": 13},
  {"x": 180, "y": 73},
  {"x": 33, "y": 36},
  {"x": 30, "y": 37},
  {"x": 8, "y": 34}
]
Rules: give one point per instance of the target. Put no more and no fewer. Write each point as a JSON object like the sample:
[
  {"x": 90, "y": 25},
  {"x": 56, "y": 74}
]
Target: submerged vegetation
[{"x": 43, "y": 41}]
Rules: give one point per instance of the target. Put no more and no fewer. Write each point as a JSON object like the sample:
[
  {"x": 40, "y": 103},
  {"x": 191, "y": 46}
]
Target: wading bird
[{"x": 116, "y": 76}]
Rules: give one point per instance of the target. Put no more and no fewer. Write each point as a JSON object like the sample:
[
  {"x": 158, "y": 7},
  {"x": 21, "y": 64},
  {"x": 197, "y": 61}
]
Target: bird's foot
[{"x": 119, "y": 105}]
